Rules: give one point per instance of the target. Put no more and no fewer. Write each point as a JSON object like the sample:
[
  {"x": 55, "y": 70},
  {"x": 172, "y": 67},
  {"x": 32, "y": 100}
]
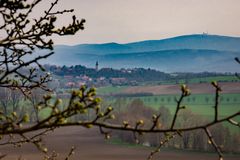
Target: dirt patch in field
[
  {"x": 227, "y": 87},
  {"x": 90, "y": 145}
]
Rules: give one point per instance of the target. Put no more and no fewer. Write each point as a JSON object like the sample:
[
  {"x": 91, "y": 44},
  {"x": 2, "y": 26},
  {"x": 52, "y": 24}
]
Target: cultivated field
[
  {"x": 201, "y": 100},
  {"x": 227, "y": 87},
  {"x": 90, "y": 145}
]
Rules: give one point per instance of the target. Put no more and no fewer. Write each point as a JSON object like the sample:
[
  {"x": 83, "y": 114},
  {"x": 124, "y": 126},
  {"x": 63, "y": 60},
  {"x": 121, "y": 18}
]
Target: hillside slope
[
  {"x": 196, "y": 41},
  {"x": 191, "y": 53}
]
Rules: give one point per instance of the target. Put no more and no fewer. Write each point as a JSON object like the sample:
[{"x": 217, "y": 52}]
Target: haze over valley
[{"x": 188, "y": 53}]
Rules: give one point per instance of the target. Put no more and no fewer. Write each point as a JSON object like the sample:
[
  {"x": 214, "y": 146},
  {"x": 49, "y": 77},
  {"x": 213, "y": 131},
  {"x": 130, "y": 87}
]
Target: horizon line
[{"x": 171, "y": 37}]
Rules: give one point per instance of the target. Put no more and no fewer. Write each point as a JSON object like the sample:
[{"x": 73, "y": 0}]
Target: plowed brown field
[
  {"x": 90, "y": 145},
  {"x": 229, "y": 87}
]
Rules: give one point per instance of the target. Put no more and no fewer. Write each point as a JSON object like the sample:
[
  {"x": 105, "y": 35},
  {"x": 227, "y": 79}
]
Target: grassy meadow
[{"x": 200, "y": 104}]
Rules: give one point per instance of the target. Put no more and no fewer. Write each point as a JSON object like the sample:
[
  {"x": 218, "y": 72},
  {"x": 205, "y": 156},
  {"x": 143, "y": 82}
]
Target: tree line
[{"x": 197, "y": 140}]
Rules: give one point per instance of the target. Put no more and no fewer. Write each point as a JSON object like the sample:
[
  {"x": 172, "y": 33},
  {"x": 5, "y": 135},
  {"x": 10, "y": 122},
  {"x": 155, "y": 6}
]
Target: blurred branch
[
  {"x": 81, "y": 102},
  {"x": 165, "y": 140},
  {"x": 21, "y": 36}
]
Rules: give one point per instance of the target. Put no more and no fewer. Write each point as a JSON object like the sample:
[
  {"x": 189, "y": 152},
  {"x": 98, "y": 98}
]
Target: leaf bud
[
  {"x": 58, "y": 101},
  {"x": 125, "y": 123},
  {"x": 101, "y": 114},
  {"x": 26, "y": 118},
  {"x": 78, "y": 105},
  {"x": 107, "y": 136},
  {"x": 209, "y": 141},
  {"x": 183, "y": 87},
  {"x": 140, "y": 122},
  {"x": 214, "y": 83},
  {"x": 97, "y": 108},
  {"x": 154, "y": 117},
  {"x": 83, "y": 111},
  {"x": 88, "y": 125},
  {"x": 47, "y": 97},
  {"x": 109, "y": 109},
  {"x": 45, "y": 150},
  {"x": 14, "y": 114},
  {"x": 112, "y": 116},
  {"x": 97, "y": 100}
]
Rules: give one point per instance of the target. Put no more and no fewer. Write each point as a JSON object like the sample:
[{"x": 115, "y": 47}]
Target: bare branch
[{"x": 213, "y": 143}]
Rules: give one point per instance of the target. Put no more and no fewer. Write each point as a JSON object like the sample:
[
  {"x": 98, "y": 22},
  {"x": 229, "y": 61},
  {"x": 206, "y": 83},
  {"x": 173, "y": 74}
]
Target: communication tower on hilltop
[{"x": 96, "y": 67}]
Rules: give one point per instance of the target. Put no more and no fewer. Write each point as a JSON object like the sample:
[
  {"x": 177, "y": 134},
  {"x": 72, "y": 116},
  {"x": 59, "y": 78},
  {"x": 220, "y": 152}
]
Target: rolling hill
[{"x": 190, "y": 53}]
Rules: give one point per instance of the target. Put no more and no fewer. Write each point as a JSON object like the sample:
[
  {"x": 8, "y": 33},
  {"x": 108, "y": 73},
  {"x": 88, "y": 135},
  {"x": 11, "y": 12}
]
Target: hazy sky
[{"x": 135, "y": 20}]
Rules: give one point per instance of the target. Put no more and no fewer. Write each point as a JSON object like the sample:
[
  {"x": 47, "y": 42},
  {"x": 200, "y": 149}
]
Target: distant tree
[
  {"x": 193, "y": 99},
  {"x": 155, "y": 99},
  {"x": 221, "y": 99},
  {"x": 227, "y": 99},
  {"x": 162, "y": 99},
  {"x": 206, "y": 99},
  {"x": 165, "y": 116},
  {"x": 5, "y": 100},
  {"x": 119, "y": 104},
  {"x": 235, "y": 99},
  {"x": 169, "y": 99}
]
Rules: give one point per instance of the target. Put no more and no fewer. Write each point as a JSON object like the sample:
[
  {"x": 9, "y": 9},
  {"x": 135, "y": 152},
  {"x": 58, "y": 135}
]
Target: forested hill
[
  {"x": 136, "y": 74},
  {"x": 195, "y": 41},
  {"x": 191, "y": 53}
]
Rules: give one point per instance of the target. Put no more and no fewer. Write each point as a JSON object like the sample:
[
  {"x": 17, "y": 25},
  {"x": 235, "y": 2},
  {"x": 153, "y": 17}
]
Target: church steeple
[{"x": 96, "y": 67}]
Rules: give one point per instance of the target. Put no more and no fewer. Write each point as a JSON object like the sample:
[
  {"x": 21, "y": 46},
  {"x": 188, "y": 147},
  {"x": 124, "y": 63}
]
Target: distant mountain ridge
[
  {"x": 196, "y": 41},
  {"x": 189, "y": 53}
]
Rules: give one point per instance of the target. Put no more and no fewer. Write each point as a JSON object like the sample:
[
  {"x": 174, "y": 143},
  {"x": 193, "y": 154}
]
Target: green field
[
  {"x": 201, "y": 104},
  {"x": 230, "y": 78},
  {"x": 204, "y": 80},
  {"x": 117, "y": 89}
]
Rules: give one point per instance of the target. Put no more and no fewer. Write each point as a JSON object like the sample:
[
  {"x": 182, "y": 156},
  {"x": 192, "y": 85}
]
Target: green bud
[
  {"x": 90, "y": 98},
  {"x": 101, "y": 114},
  {"x": 39, "y": 107},
  {"x": 112, "y": 116},
  {"x": 92, "y": 90},
  {"x": 125, "y": 123},
  {"x": 14, "y": 114},
  {"x": 62, "y": 120},
  {"x": 80, "y": 94},
  {"x": 56, "y": 110},
  {"x": 97, "y": 108},
  {"x": 140, "y": 122},
  {"x": 154, "y": 117},
  {"x": 214, "y": 83},
  {"x": 89, "y": 125},
  {"x": 83, "y": 88},
  {"x": 45, "y": 150},
  {"x": 83, "y": 111},
  {"x": 58, "y": 101},
  {"x": 26, "y": 118},
  {"x": 107, "y": 136},
  {"x": 97, "y": 100},
  {"x": 47, "y": 97},
  {"x": 109, "y": 109},
  {"x": 183, "y": 87},
  {"x": 78, "y": 105}
]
